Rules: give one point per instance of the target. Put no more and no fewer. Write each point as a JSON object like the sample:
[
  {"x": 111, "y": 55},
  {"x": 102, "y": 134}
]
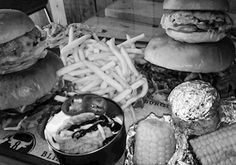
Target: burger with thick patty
[
  {"x": 28, "y": 70},
  {"x": 205, "y": 54},
  {"x": 196, "y": 21},
  {"x": 174, "y": 62},
  {"x": 21, "y": 42}
]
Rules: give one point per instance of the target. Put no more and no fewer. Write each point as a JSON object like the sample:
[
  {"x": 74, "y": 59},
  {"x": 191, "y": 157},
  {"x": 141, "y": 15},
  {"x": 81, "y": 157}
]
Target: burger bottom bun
[
  {"x": 199, "y": 127},
  {"x": 195, "y": 37},
  {"x": 201, "y": 58},
  {"x": 26, "y": 86}
]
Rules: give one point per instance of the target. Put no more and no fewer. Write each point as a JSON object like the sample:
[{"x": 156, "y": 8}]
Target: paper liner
[{"x": 130, "y": 139}]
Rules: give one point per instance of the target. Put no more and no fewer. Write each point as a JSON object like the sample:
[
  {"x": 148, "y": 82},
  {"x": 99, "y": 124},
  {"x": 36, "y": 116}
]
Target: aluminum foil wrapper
[
  {"x": 194, "y": 100},
  {"x": 130, "y": 139},
  {"x": 227, "y": 111},
  {"x": 194, "y": 106},
  {"x": 182, "y": 155}
]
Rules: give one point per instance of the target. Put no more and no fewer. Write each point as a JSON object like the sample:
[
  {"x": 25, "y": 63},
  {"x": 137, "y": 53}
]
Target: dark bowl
[{"x": 108, "y": 154}]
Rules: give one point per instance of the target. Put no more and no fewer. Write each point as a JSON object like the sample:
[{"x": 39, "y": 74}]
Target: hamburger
[
  {"x": 196, "y": 21},
  {"x": 21, "y": 42},
  {"x": 172, "y": 62},
  {"x": 28, "y": 70}
]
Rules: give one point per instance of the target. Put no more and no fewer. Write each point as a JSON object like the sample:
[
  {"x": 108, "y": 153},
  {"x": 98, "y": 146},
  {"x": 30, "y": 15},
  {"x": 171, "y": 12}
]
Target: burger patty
[
  {"x": 164, "y": 80},
  {"x": 14, "y": 49},
  {"x": 192, "y": 21}
]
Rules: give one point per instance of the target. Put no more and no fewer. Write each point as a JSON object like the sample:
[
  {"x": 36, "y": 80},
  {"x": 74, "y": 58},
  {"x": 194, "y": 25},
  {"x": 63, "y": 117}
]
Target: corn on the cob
[
  {"x": 216, "y": 148},
  {"x": 154, "y": 142}
]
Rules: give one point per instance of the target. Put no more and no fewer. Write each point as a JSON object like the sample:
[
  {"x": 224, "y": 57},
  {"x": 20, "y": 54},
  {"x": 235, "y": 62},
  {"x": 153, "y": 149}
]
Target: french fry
[
  {"x": 122, "y": 95},
  {"x": 102, "y": 57},
  {"x": 103, "y": 76},
  {"x": 102, "y": 46},
  {"x": 71, "y": 35},
  {"x": 119, "y": 79},
  {"x": 75, "y": 55},
  {"x": 96, "y": 37},
  {"x": 81, "y": 54},
  {"x": 96, "y": 88},
  {"x": 132, "y": 45},
  {"x": 60, "y": 98},
  {"x": 104, "y": 68},
  {"x": 79, "y": 72},
  {"x": 103, "y": 85},
  {"x": 89, "y": 78},
  {"x": 69, "y": 68},
  {"x": 108, "y": 66},
  {"x": 137, "y": 84},
  {"x": 111, "y": 94},
  {"x": 90, "y": 42},
  {"x": 69, "y": 78},
  {"x": 88, "y": 52},
  {"x": 70, "y": 60},
  {"x": 96, "y": 50},
  {"x": 132, "y": 40},
  {"x": 104, "y": 40},
  {"x": 104, "y": 91},
  {"x": 129, "y": 62},
  {"x": 134, "y": 51},
  {"x": 115, "y": 51},
  {"x": 74, "y": 44},
  {"x": 71, "y": 93},
  {"x": 90, "y": 85},
  {"x": 133, "y": 99},
  {"x": 100, "y": 63},
  {"x": 118, "y": 70},
  {"x": 98, "y": 56}
]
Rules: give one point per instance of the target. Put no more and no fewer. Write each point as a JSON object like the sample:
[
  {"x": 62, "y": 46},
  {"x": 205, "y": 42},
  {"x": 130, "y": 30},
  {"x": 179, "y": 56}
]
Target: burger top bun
[
  {"x": 202, "y": 57},
  {"x": 26, "y": 86},
  {"x": 219, "y": 5},
  {"x": 14, "y": 24}
]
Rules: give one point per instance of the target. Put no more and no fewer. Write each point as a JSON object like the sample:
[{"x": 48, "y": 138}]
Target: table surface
[{"x": 131, "y": 116}]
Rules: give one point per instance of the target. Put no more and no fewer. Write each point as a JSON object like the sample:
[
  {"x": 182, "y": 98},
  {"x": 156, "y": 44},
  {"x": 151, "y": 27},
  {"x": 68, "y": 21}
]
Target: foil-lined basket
[
  {"x": 227, "y": 111},
  {"x": 130, "y": 138}
]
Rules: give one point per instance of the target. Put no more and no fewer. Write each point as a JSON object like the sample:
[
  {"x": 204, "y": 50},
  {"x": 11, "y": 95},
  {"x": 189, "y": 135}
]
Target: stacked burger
[
  {"x": 27, "y": 69},
  {"x": 195, "y": 44}
]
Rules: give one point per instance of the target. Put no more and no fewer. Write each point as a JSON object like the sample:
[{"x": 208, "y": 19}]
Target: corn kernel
[{"x": 219, "y": 148}]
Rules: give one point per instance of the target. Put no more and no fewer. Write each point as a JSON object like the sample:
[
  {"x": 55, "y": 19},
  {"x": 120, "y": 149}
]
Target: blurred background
[
  {"x": 142, "y": 11},
  {"x": 114, "y": 18}
]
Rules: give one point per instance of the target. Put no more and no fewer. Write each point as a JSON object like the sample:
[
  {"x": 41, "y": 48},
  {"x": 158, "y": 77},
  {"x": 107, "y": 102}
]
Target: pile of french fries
[{"x": 103, "y": 68}]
